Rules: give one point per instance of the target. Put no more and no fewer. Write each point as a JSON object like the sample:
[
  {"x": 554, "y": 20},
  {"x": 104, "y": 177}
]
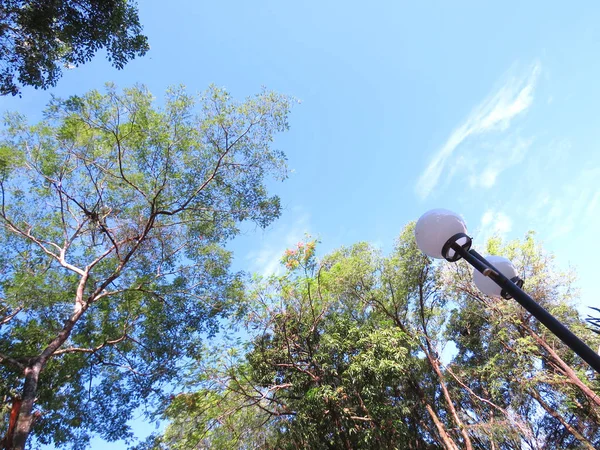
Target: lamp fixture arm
[{"x": 515, "y": 291}]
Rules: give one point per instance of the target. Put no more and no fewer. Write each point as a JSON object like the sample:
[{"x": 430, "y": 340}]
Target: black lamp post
[{"x": 442, "y": 234}]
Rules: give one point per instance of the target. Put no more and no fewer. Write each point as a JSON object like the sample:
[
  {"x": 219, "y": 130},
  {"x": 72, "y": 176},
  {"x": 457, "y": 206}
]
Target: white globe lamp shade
[
  {"x": 486, "y": 284},
  {"x": 435, "y": 228}
]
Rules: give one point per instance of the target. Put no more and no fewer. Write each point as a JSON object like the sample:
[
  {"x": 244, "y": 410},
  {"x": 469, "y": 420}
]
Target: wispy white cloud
[
  {"x": 493, "y": 223},
  {"x": 592, "y": 205},
  {"x": 555, "y": 196},
  {"x": 495, "y": 113},
  {"x": 505, "y": 154},
  {"x": 577, "y": 205},
  {"x": 266, "y": 260}
]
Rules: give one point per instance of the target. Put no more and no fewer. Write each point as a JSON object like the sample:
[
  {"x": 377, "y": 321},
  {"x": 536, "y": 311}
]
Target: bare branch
[
  {"x": 13, "y": 362},
  {"x": 8, "y": 318},
  {"x": 90, "y": 350}
]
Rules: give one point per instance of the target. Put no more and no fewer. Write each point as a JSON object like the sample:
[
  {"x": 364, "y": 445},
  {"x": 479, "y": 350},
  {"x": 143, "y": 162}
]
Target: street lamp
[{"x": 442, "y": 234}]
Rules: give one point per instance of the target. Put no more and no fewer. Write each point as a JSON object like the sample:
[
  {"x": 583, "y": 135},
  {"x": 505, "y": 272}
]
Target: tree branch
[
  {"x": 90, "y": 350},
  {"x": 8, "y": 318}
]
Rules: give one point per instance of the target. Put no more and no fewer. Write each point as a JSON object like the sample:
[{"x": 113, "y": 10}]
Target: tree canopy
[
  {"x": 114, "y": 215},
  {"x": 40, "y": 37},
  {"x": 361, "y": 350}
]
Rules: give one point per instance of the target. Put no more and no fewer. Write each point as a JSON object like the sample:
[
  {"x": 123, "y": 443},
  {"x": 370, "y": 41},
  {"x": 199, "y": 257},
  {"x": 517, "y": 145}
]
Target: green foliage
[
  {"x": 347, "y": 353},
  {"x": 594, "y": 321},
  {"x": 39, "y": 37},
  {"x": 114, "y": 215},
  {"x": 509, "y": 357}
]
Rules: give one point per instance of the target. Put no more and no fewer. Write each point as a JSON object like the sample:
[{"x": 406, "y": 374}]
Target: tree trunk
[
  {"x": 449, "y": 444},
  {"x": 7, "y": 441},
  {"x": 436, "y": 367},
  {"x": 26, "y": 416},
  {"x": 340, "y": 428},
  {"x": 492, "y": 441},
  {"x": 446, "y": 439},
  {"x": 32, "y": 372},
  {"x": 434, "y": 362}
]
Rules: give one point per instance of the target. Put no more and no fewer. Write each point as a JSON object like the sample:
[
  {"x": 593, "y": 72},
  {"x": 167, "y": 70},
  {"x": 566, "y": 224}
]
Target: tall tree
[
  {"x": 39, "y": 37},
  {"x": 114, "y": 216},
  {"x": 350, "y": 352},
  {"x": 516, "y": 363},
  {"x": 320, "y": 374}
]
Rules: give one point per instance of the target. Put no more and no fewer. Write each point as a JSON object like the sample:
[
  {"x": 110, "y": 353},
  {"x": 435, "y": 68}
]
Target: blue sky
[{"x": 488, "y": 110}]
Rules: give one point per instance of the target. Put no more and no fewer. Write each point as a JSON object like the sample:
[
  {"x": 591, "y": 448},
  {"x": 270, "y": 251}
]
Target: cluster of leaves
[
  {"x": 39, "y": 37},
  {"x": 353, "y": 352},
  {"x": 594, "y": 321},
  {"x": 302, "y": 255}
]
